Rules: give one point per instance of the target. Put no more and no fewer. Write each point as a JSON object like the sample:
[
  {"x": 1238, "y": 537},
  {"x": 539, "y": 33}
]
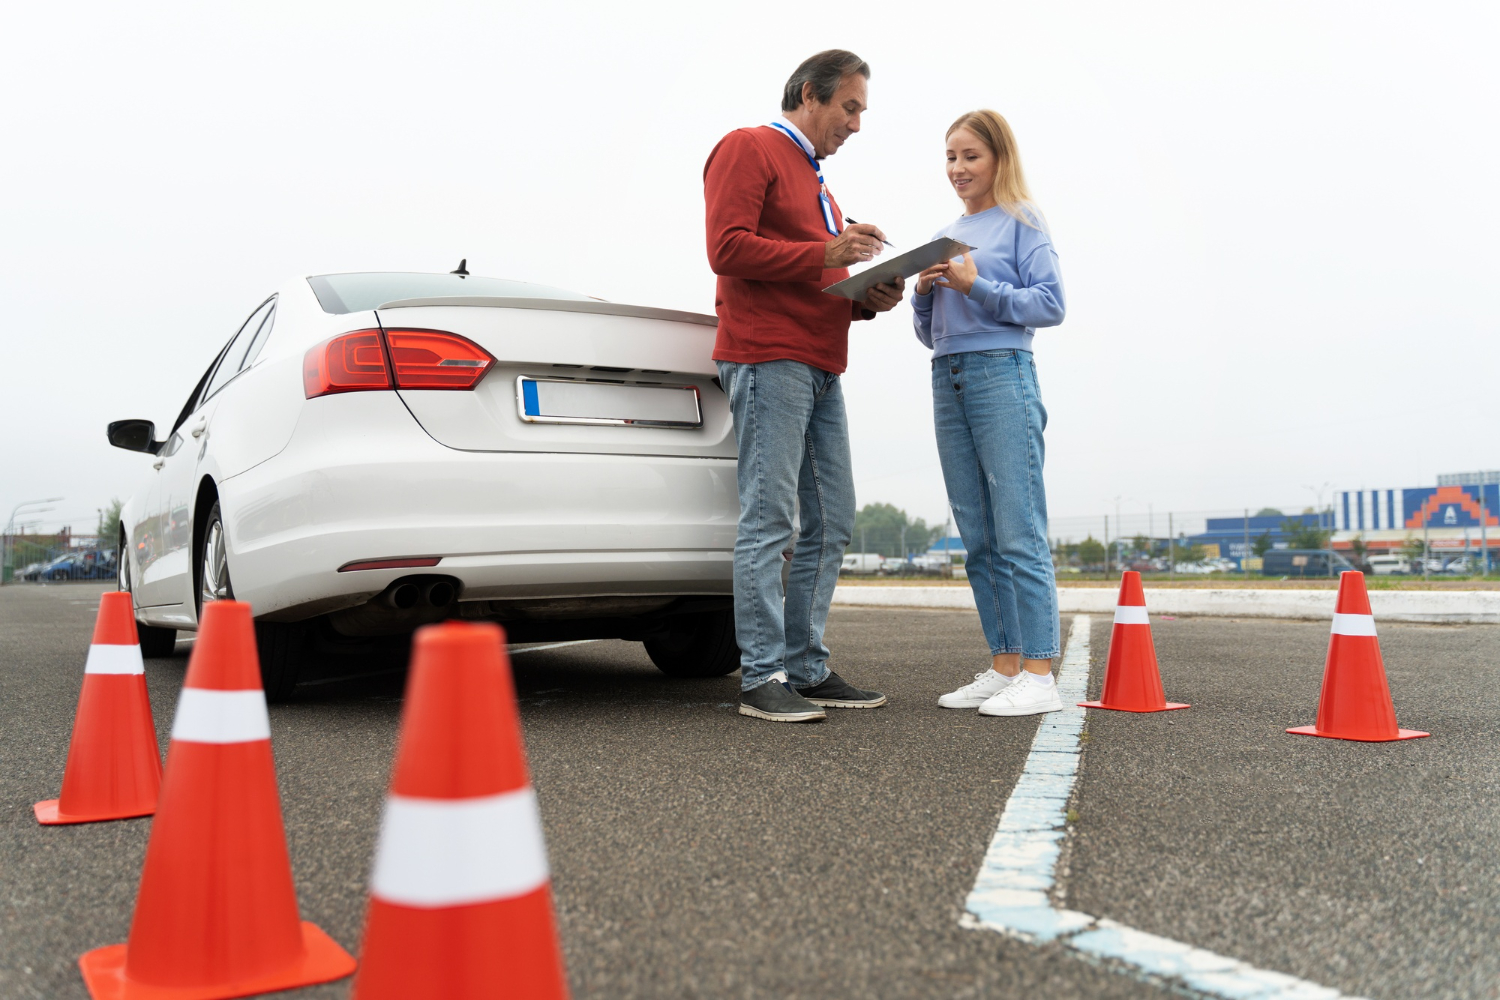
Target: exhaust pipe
[
  {"x": 402, "y": 597},
  {"x": 439, "y": 593}
]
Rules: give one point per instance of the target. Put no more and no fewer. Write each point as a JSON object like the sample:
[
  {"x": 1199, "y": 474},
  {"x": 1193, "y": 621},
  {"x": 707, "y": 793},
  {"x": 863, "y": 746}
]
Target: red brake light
[
  {"x": 349, "y": 362},
  {"x": 431, "y": 359},
  {"x": 424, "y": 359}
]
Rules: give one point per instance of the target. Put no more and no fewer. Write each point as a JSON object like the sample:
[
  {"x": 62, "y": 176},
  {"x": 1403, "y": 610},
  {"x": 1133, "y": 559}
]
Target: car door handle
[
  {"x": 158, "y": 463},
  {"x": 202, "y": 426}
]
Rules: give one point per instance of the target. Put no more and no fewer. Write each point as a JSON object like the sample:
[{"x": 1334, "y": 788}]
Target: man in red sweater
[{"x": 776, "y": 239}]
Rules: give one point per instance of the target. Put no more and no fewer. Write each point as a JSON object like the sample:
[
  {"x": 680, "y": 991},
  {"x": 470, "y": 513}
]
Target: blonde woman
[{"x": 979, "y": 313}]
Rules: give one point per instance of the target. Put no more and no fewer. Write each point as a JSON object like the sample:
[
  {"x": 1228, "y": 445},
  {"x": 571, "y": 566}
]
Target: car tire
[
  {"x": 700, "y": 645},
  {"x": 155, "y": 642},
  {"x": 282, "y": 646},
  {"x": 283, "y": 651}
]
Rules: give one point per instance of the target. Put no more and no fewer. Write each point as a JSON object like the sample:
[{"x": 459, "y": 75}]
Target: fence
[
  {"x": 54, "y": 558},
  {"x": 1193, "y": 541}
]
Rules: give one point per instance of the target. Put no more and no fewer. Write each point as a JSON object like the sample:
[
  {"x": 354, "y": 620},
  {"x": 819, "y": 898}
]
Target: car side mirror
[{"x": 134, "y": 435}]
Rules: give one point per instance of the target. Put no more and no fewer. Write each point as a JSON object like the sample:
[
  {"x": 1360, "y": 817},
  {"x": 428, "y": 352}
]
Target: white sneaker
[
  {"x": 1023, "y": 696},
  {"x": 986, "y": 684}
]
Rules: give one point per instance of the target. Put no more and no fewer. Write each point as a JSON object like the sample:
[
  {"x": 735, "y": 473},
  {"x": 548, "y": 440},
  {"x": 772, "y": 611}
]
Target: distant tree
[
  {"x": 1412, "y": 548},
  {"x": 880, "y": 524},
  {"x": 1141, "y": 544},
  {"x": 1187, "y": 553},
  {"x": 1301, "y": 535},
  {"x": 1090, "y": 552},
  {"x": 1268, "y": 512},
  {"x": 1358, "y": 549},
  {"x": 1263, "y": 544},
  {"x": 109, "y": 524}
]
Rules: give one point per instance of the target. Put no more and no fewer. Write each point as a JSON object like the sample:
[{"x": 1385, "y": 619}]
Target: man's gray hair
[{"x": 825, "y": 71}]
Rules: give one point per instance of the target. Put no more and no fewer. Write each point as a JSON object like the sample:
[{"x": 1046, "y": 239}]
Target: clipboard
[{"x": 857, "y": 286}]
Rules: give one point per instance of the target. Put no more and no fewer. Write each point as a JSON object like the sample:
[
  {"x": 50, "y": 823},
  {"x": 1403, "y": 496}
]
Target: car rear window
[{"x": 362, "y": 291}]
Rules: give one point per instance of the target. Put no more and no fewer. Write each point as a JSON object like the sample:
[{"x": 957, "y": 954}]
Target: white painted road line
[
  {"x": 1012, "y": 893},
  {"x": 550, "y": 645}
]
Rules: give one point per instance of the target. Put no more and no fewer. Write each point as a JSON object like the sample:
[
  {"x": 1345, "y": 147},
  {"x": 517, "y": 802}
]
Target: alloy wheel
[{"x": 215, "y": 575}]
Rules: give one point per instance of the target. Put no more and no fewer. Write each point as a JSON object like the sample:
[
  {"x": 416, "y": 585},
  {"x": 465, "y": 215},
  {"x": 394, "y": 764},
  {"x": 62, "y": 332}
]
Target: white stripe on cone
[
  {"x": 207, "y": 716},
  {"x": 1353, "y": 624},
  {"x": 451, "y": 852},
  {"x": 1131, "y": 614},
  {"x": 114, "y": 660}
]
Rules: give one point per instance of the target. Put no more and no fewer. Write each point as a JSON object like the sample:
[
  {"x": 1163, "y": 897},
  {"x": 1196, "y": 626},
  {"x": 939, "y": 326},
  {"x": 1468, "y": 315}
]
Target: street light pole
[
  {"x": 1245, "y": 554},
  {"x": 1426, "y": 552},
  {"x": 1484, "y": 537}
]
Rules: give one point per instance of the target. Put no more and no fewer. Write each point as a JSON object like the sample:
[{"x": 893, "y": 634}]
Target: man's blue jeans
[
  {"x": 794, "y": 453},
  {"x": 988, "y": 412}
]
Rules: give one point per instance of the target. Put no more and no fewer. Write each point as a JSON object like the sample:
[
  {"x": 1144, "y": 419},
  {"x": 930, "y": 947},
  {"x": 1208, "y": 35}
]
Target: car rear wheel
[
  {"x": 283, "y": 650},
  {"x": 281, "y": 645},
  {"x": 700, "y": 645},
  {"x": 154, "y": 641}
]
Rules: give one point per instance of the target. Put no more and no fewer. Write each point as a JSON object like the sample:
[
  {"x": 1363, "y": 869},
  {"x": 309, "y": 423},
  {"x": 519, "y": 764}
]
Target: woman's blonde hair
[{"x": 1009, "y": 188}]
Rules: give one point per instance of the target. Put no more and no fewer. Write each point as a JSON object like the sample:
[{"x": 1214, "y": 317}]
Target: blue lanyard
[{"x": 829, "y": 222}]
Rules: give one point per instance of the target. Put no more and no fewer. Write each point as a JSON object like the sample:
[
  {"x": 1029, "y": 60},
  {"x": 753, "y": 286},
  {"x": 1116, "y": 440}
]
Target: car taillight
[
  {"x": 423, "y": 359},
  {"x": 431, "y": 359},
  {"x": 350, "y": 362}
]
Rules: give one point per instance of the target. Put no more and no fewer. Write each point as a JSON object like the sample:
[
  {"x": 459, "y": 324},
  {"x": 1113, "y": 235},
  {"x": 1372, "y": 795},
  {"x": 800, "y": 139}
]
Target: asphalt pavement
[{"x": 696, "y": 853}]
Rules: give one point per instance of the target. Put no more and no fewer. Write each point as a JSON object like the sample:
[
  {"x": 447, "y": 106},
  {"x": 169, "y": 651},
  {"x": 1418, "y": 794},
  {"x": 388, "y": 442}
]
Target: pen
[{"x": 853, "y": 222}]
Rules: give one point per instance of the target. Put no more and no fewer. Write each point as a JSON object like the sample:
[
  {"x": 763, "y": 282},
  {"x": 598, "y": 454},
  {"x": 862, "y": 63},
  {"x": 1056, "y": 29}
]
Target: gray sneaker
[
  {"x": 777, "y": 702},
  {"x": 835, "y": 692}
]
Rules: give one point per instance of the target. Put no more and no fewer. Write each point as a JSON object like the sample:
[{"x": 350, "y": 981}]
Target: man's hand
[
  {"x": 855, "y": 245},
  {"x": 883, "y": 298}
]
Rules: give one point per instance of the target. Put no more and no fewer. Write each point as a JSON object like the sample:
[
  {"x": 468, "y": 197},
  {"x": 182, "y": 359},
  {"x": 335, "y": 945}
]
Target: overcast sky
[{"x": 1276, "y": 222}]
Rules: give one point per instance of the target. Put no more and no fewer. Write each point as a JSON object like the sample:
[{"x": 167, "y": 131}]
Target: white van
[
  {"x": 857, "y": 562},
  {"x": 1389, "y": 565}
]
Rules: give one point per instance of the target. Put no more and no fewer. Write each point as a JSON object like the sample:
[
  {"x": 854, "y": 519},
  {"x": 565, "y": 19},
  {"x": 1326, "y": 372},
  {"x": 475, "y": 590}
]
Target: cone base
[
  {"x": 48, "y": 814},
  {"x": 1401, "y": 734},
  {"x": 1168, "y": 707},
  {"x": 322, "y": 961}
]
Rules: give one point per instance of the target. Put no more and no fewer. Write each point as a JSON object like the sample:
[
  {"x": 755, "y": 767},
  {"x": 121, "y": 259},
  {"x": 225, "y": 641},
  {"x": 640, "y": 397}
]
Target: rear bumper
[{"x": 360, "y": 480}]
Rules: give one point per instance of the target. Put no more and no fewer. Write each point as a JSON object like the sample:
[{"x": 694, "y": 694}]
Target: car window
[
  {"x": 234, "y": 354},
  {"x": 197, "y": 394},
  {"x": 261, "y": 335}
]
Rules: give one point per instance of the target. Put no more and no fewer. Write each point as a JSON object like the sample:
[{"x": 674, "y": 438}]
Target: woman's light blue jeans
[
  {"x": 989, "y": 416},
  {"x": 793, "y": 439}
]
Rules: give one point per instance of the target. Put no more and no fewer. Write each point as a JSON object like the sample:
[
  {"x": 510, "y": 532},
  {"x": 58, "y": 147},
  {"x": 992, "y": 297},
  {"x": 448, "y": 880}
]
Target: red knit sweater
[{"x": 765, "y": 242}]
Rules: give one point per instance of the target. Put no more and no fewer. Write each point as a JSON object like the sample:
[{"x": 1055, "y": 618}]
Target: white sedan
[{"x": 374, "y": 451}]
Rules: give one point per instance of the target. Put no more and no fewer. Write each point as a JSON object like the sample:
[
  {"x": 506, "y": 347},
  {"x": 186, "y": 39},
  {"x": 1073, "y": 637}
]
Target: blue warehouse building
[{"x": 1224, "y": 537}]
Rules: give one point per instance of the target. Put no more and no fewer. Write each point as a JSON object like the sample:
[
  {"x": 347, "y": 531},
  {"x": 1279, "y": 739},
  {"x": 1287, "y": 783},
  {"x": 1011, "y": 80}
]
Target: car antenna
[{"x": 462, "y": 270}]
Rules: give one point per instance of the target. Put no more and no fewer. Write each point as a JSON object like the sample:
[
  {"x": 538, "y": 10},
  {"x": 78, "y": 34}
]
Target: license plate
[{"x": 566, "y": 401}]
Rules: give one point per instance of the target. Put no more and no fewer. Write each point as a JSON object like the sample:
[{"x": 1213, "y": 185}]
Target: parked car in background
[
  {"x": 372, "y": 452},
  {"x": 1304, "y": 562},
  {"x": 1390, "y": 565},
  {"x": 861, "y": 562}
]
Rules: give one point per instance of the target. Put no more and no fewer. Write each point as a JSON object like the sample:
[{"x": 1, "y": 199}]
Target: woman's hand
[
  {"x": 926, "y": 278},
  {"x": 960, "y": 274}
]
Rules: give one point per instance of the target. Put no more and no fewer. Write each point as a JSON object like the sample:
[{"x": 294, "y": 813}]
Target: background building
[{"x": 1460, "y": 513}]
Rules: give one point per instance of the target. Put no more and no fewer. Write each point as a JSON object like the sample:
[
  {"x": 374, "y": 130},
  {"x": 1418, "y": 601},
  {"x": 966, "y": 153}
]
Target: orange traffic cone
[
  {"x": 460, "y": 900},
  {"x": 114, "y": 764},
  {"x": 1356, "y": 701},
  {"x": 1132, "y": 680},
  {"x": 216, "y": 915}
]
